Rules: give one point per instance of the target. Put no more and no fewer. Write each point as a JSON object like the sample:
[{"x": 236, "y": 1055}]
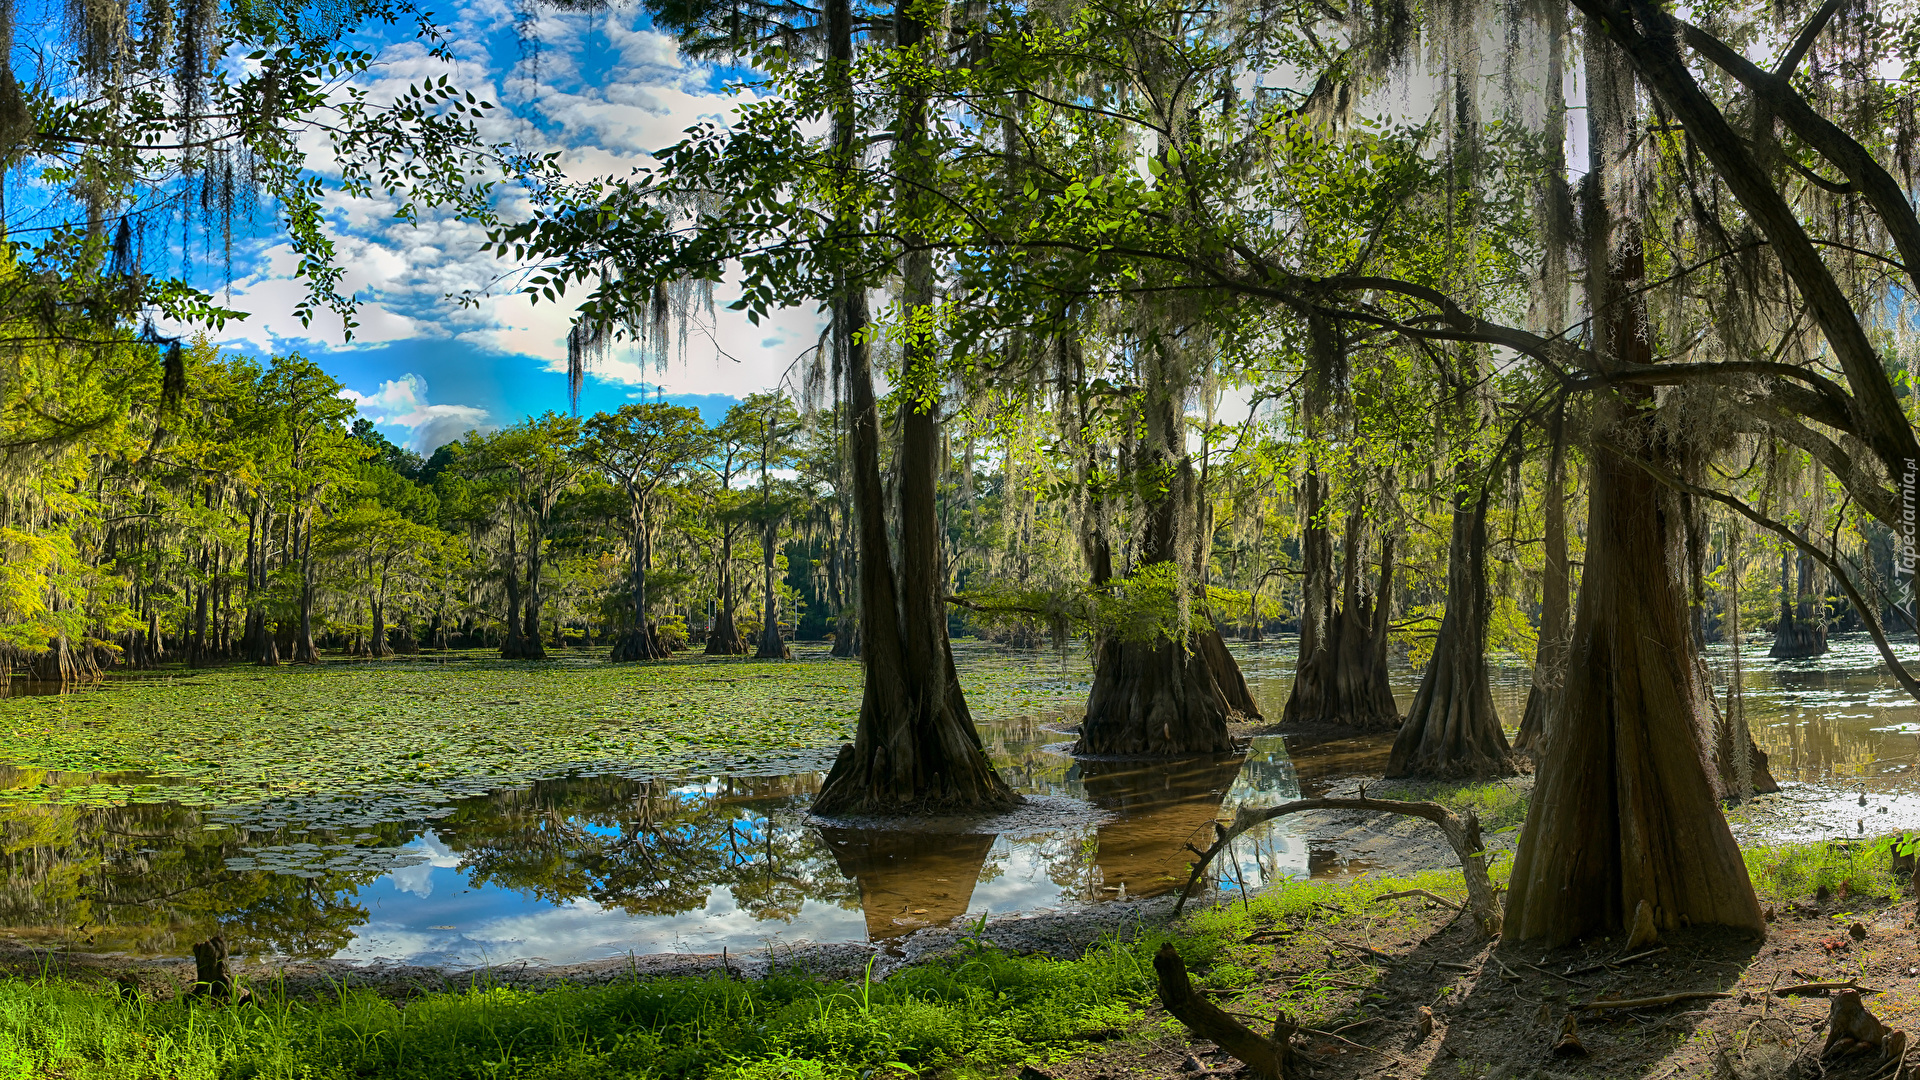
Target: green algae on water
[{"x": 355, "y": 743}]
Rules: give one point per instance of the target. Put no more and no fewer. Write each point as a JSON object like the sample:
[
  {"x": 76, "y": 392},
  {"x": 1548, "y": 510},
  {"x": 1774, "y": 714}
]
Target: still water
[{"x": 587, "y": 867}]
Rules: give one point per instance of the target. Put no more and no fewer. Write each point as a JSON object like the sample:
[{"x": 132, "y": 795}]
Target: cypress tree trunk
[
  {"x": 916, "y": 748},
  {"x": 1550, "y": 659},
  {"x": 377, "y": 641},
  {"x": 1340, "y": 677},
  {"x": 772, "y": 645},
  {"x": 1158, "y": 698},
  {"x": 640, "y": 641},
  {"x": 1623, "y": 809},
  {"x": 723, "y": 638},
  {"x": 304, "y": 651},
  {"x": 531, "y": 646},
  {"x": 512, "y": 648},
  {"x": 1452, "y": 730},
  {"x": 1802, "y": 632}
]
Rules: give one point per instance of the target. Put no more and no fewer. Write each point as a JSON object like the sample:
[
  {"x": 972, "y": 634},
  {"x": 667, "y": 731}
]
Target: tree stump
[{"x": 211, "y": 978}]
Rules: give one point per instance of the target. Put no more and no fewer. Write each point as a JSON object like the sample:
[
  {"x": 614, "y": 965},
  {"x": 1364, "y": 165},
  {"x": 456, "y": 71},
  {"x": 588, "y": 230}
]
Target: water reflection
[
  {"x": 1838, "y": 717},
  {"x": 586, "y": 867}
]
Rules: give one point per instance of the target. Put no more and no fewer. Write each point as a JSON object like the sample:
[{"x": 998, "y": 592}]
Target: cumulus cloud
[
  {"x": 604, "y": 91},
  {"x": 402, "y": 403}
]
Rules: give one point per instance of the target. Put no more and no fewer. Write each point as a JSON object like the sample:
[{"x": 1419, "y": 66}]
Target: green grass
[
  {"x": 1863, "y": 868},
  {"x": 980, "y": 1011}
]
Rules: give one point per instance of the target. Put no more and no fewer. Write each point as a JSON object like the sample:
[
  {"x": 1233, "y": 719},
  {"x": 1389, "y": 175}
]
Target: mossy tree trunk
[
  {"x": 1623, "y": 810},
  {"x": 916, "y": 749},
  {"x": 1164, "y": 698}
]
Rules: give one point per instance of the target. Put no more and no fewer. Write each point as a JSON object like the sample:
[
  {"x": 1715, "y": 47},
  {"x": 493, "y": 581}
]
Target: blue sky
[{"x": 604, "y": 90}]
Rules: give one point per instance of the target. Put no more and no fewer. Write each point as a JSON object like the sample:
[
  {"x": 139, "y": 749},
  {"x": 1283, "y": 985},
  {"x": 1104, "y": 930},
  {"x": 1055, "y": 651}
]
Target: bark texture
[
  {"x": 1550, "y": 659},
  {"x": 1160, "y": 700}
]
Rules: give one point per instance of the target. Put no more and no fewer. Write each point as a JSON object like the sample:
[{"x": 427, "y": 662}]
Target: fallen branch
[
  {"x": 1340, "y": 1038},
  {"x": 1455, "y": 905},
  {"x": 1650, "y": 1002},
  {"x": 1823, "y": 987},
  {"x": 1463, "y": 833},
  {"x": 1269, "y": 1059}
]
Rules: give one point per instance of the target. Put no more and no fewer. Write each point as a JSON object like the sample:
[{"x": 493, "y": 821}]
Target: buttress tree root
[
  {"x": 1623, "y": 808},
  {"x": 1159, "y": 700},
  {"x": 1462, "y": 833}
]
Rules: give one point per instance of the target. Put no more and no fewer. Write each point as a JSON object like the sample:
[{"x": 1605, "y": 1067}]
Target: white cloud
[{"x": 403, "y": 403}]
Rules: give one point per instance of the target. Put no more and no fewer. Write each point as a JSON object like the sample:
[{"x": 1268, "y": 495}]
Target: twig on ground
[
  {"x": 1557, "y": 975},
  {"x": 1650, "y": 1002},
  {"x": 1337, "y": 1038},
  {"x": 1605, "y": 964},
  {"x": 1420, "y": 892}
]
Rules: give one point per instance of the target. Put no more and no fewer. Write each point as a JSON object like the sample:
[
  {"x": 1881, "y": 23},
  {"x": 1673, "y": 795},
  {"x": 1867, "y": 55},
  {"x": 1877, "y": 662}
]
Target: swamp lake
[{"x": 463, "y": 810}]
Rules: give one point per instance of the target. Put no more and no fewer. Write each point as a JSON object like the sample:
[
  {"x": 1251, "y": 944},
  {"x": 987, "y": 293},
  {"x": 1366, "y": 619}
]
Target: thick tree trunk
[
  {"x": 1550, "y": 658},
  {"x": 1452, "y": 730},
  {"x": 772, "y": 645},
  {"x": 723, "y": 638},
  {"x": 1623, "y": 808},
  {"x": 916, "y": 749},
  {"x": 640, "y": 640},
  {"x": 512, "y": 648},
  {"x": 1156, "y": 699},
  {"x": 531, "y": 646},
  {"x": 304, "y": 651},
  {"x": 1802, "y": 631},
  {"x": 377, "y": 641},
  {"x": 1340, "y": 677}
]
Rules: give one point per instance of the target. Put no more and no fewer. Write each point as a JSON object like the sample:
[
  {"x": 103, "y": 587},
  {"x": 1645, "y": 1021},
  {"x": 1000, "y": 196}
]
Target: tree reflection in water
[
  {"x": 648, "y": 848},
  {"x": 908, "y": 880},
  {"x": 154, "y": 878}
]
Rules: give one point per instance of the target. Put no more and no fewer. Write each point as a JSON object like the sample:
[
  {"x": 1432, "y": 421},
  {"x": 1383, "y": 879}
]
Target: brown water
[{"x": 587, "y": 867}]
